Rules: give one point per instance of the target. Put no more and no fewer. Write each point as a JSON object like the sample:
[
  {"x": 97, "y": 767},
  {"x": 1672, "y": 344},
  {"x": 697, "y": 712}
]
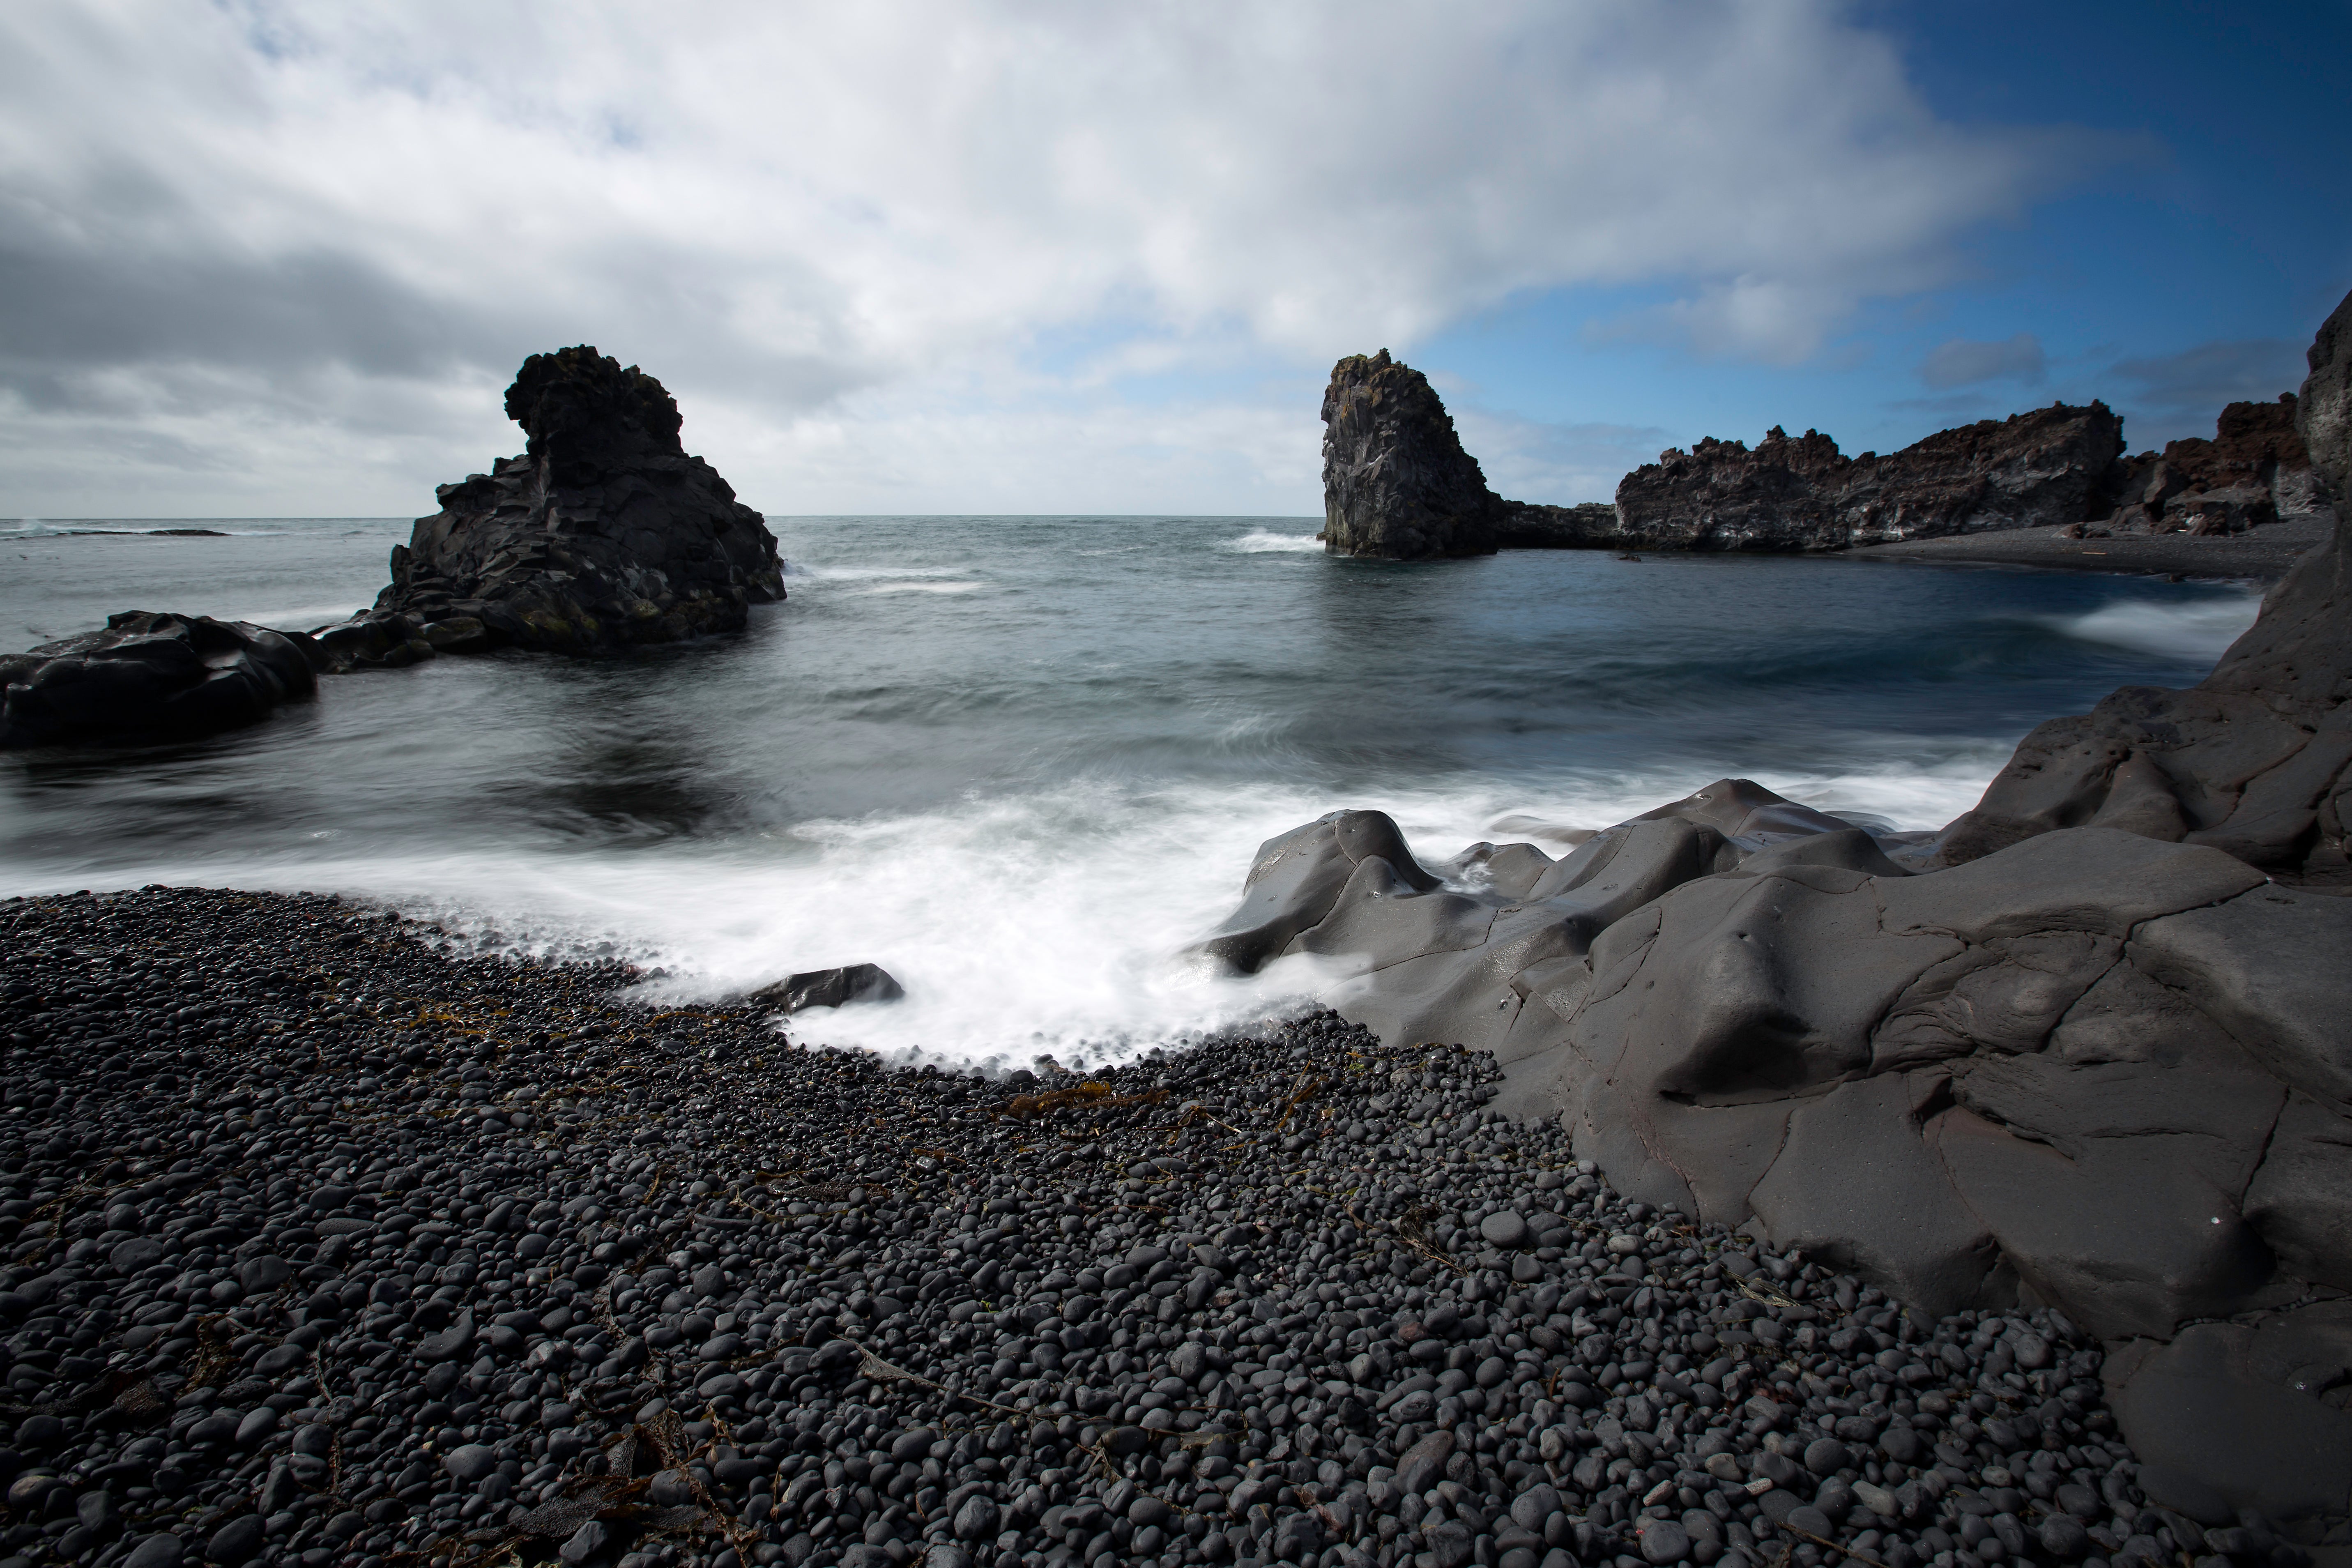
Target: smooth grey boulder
[
  {"x": 150, "y": 676},
  {"x": 2092, "y": 1070}
]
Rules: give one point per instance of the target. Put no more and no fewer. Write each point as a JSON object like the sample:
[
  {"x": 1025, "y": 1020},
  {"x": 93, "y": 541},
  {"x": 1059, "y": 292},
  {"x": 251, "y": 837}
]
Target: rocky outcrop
[
  {"x": 2052, "y": 465},
  {"x": 1396, "y": 482},
  {"x": 2254, "y": 760},
  {"x": 2091, "y": 1071},
  {"x": 150, "y": 676},
  {"x": 2253, "y": 471},
  {"x": 2089, "y": 1049},
  {"x": 602, "y": 533}
]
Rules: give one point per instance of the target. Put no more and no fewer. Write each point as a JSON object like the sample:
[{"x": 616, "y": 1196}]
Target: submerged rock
[
  {"x": 150, "y": 676},
  {"x": 602, "y": 533}
]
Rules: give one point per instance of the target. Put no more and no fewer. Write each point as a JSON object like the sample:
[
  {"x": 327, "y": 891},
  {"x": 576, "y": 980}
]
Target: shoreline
[
  {"x": 328, "y": 1247},
  {"x": 2263, "y": 554}
]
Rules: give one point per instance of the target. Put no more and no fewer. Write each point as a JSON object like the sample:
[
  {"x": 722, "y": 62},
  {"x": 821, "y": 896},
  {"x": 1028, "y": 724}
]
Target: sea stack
[
  {"x": 1396, "y": 482},
  {"x": 602, "y": 533}
]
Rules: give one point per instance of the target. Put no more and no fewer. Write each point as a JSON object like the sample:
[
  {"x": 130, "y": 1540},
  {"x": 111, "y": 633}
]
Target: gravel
[{"x": 328, "y": 1243}]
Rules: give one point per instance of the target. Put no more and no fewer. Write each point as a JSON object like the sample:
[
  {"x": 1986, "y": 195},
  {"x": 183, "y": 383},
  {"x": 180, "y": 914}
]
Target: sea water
[{"x": 1022, "y": 762}]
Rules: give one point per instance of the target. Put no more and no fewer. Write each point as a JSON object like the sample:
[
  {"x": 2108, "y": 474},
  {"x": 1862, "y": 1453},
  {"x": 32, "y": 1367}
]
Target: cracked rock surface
[{"x": 327, "y": 1244}]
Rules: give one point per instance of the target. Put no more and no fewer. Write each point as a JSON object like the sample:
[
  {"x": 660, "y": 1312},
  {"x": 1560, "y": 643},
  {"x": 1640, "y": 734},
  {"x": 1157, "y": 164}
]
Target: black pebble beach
[{"x": 328, "y": 1243}]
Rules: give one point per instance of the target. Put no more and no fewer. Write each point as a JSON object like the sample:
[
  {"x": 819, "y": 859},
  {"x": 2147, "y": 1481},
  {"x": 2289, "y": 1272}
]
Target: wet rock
[
  {"x": 829, "y": 988},
  {"x": 1396, "y": 482},
  {"x": 602, "y": 533},
  {"x": 150, "y": 677}
]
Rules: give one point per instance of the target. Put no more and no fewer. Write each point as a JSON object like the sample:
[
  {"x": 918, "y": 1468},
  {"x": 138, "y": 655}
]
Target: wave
[
  {"x": 2196, "y": 632},
  {"x": 921, "y": 588},
  {"x": 1264, "y": 542},
  {"x": 1052, "y": 921}
]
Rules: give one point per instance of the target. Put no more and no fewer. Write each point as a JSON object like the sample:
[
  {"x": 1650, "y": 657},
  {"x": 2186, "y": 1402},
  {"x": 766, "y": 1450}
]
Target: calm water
[{"x": 1020, "y": 761}]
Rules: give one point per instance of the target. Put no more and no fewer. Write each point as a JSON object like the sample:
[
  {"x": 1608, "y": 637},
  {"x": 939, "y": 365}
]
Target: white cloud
[{"x": 277, "y": 224}]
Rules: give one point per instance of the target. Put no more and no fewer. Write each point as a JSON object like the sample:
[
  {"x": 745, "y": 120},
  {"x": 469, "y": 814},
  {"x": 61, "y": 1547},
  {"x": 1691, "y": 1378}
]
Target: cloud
[
  {"x": 1963, "y": 362},
  {"x": 2195, "y": 382},
  {"x": 263, "y": 223}
]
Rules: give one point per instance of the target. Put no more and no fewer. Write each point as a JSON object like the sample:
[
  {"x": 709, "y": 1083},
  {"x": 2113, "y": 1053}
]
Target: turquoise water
[{"x": 1020, "y": 762}]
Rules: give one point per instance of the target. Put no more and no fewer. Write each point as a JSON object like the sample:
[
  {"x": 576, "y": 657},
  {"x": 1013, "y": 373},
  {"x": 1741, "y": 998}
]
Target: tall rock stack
[
  {"x": 1396, "y": 482},
  {"x": 602, "y": 533}
]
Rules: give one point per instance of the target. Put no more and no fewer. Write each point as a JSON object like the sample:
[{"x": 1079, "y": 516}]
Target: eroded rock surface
[
  {"x": 2091, "y": 1071},
  {"x": 2252, "y": 759},
  {"x": 602, "y": 533},
  {"x": 1396, "y": 482},
  {"x": 2051, "y": 466},
  {"x": 150, "y": 676}
]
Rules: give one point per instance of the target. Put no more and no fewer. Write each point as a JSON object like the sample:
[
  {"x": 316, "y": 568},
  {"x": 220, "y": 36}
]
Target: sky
[{"x": 270, "y": 257}]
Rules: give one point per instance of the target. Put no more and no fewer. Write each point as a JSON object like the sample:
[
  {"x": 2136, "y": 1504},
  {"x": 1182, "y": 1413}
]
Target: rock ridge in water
[
  {"x": 603, "y": 533},
  {"x": 1397, "y": 483},
  {"x": 151, "y": 675}
]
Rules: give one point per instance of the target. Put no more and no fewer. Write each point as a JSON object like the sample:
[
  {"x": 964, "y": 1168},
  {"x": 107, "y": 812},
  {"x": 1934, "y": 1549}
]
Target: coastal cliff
[{"x": 1396, "y": 482}]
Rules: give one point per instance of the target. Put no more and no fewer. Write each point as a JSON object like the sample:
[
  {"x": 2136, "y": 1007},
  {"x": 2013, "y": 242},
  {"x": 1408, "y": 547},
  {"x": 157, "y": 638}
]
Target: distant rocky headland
[{"x": 1398, "y": 484}]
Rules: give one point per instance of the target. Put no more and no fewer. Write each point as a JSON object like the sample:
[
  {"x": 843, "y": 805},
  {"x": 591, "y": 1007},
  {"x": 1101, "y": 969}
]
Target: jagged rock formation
[
  {"x": 2252, "y": 761},
  {"x": 1396, "y": 482},
  {"x": 602, "y": 533},
  {"x": 2078, "y": 1051},
  {"x": 2052, "y": 465},
  {"x": 150, "y": 676},
  {"x": 2255, "y": 470}
]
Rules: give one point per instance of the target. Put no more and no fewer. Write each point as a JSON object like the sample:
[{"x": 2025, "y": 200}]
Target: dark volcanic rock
[
  {"x": 2052, "y": 465},
  {"x": 2253, "y": 759},
  {"x": 150, "y": 676},
  {"x": 829, "y": 988},
  {"x": 602, "y": 533},
  {"x": 2255, "y": 470},
  {"x": 1396, "y": 482}
]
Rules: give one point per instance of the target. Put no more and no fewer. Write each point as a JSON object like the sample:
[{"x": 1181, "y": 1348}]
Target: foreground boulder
[
  {"x": 603, "y": 533},
  {"x": 150, "y": 676},
  {"x": 2091, "y": 1071},
  {"x": 840, "y": 987},
  {"x": 2252, "y": 761}
]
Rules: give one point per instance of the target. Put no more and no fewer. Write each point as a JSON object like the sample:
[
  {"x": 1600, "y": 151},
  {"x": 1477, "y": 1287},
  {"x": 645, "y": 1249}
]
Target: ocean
[{"x": 1022, "y": 761}]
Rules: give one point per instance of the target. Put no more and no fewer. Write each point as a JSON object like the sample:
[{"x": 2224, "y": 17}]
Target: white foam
[
  {"x": 2198, "y": 631},
  {"x": 1264, "y": 542},
  {"x": 920, "y": 588},
  {"x": 1020, "y": 925}
]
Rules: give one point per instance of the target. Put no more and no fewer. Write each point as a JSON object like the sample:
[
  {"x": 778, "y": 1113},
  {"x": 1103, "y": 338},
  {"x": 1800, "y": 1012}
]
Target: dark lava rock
[
  {"x": 602, "y": 533},
  {"x": 150, "y": 676},
  {"x": 829, "y": 988},
  {"x": 1396, "y": 482},
  {"x": 2253, "y": 761},
  {"x": 2051, "y": 466}
]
